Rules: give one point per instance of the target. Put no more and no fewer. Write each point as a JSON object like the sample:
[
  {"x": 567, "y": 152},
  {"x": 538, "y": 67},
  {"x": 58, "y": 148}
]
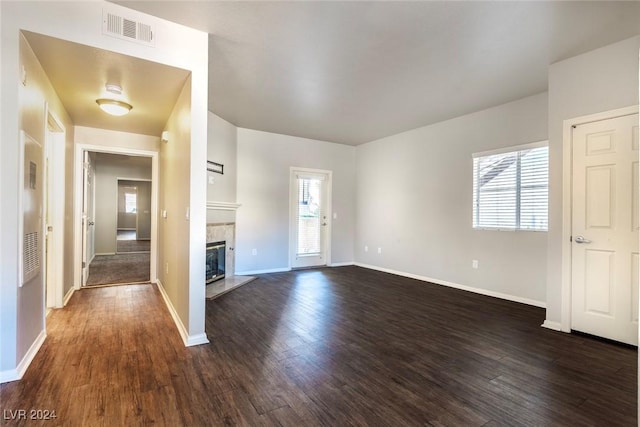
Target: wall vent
[
  {"x": 127, "y": 29},
  {"x": 30, "y": 256}
]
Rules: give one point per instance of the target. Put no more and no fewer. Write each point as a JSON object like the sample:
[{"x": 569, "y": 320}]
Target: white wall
[
  {"x": 597, "y": 81},
  {"x": 81, "y": 22},
  {"x": 107, "y": 172},
  {"x": 21, "y": 309},
  {"x": 222, "y": 148},
  {"x": 414, "y": 193},
  {"x": 174, "y": 229},
  {"x": 264, "y": 161}
]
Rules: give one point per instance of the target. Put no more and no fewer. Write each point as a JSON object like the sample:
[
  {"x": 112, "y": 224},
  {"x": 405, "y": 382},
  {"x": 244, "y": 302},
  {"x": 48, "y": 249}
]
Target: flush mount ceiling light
[
  {"x": 114, "y": 107},
  {"x": 115, "y": 89}
]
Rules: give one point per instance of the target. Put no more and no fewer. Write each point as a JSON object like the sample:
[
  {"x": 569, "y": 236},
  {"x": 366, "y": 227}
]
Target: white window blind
[{"x": 511, "y": 189}]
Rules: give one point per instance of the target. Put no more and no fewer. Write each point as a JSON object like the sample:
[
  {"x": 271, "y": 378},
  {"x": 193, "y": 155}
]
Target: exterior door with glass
[{"x": 310, "y": 222}]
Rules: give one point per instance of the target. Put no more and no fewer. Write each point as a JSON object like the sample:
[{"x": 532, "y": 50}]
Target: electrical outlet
[
  {"x": 166, "y": 267},
  {"x": 366, "y": 248},
  {"x": 474, "y": 263},
  {"x": 254, "y": 251},
  {"x": 212, "y": 180},
  {"x": 335, "y": 215},
  {"x": 379, "y": 250}
]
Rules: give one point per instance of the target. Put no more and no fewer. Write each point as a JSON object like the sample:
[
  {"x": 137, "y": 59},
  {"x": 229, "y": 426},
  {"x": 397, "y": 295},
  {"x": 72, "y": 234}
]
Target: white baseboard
[
  {"x": 341, "y": 264},
  {"x": 18, "y": 372},
  {"x": 189, "y": 340},
  {"x": 197, "y": 340},
  {"x": 125, "y": 229},
  {"x": 68, "y": 296},
  {"x": 554, "y": 326},
  {"x": 282, "y": 270},
  {"x": 106, "y": 253},
  {"x": 480, "y": 291},
  {"x": 254, "y": 272},
  {"x": 8, "y": 376}
]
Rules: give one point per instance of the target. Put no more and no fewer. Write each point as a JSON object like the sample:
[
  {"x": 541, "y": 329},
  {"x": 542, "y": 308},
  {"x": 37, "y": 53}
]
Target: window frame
[{"x": 516, "y": 149}]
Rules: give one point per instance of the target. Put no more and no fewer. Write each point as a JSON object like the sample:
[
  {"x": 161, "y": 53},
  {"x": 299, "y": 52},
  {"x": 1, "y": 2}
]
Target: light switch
[{"x": 212, "y": 180}]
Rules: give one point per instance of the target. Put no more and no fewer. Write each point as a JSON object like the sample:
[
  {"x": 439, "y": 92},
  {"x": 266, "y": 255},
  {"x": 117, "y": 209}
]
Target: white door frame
[
  {"x": 293, "y": 212},
  {"x": 77, "y": 204},
  {"x": 567, "y": 177},
  {"x": 55, "y": 145}
]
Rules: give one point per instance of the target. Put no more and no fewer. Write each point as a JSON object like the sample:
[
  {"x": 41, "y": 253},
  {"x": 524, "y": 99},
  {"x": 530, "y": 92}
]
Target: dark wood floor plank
[{"x": 325, "y": 347}]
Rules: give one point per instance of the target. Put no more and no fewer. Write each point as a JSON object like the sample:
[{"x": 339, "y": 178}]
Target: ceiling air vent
[{"x": 127, "y": 29}]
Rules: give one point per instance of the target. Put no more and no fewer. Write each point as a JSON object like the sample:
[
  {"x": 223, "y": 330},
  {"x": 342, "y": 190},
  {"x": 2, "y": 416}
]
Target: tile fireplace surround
[
  {"x": 218, "y": 232},
  {"x": 224, "y": 232}
]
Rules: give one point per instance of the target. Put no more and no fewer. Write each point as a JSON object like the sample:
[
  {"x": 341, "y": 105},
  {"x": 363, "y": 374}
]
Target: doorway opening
[
  {"x": 116, "y": 216},
  {"x": 133, "y": 228}
]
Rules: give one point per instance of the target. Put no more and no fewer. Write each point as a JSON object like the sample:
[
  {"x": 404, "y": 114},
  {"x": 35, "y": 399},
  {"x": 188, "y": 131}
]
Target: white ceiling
[
  {"x": 347, "y": 72},
  {"x": 79, "y": 73},
  {"x": 352, "y": 72}
]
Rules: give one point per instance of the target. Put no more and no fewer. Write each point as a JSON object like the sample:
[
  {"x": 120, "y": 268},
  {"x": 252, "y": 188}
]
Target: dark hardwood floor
[{"x": 331, "y": 347}]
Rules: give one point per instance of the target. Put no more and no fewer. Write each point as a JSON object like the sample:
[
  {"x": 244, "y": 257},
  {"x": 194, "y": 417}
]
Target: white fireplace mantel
[{"x": 223, "y": 206}]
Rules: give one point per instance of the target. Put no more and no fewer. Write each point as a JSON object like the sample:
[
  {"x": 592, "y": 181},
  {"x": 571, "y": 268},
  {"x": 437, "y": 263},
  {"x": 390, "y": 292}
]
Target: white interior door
[
  {"x": 87, "y": 215},
  {"x": 310, "y": 207},
  {"x": 605, "y": 222},
  {"x": 51, "y": 266}
]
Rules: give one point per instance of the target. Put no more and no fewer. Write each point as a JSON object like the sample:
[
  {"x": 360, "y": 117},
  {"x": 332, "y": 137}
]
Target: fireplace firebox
[{"x": 216, "y": 254}]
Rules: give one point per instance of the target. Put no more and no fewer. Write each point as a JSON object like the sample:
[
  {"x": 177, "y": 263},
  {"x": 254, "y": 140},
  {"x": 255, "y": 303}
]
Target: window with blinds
[{"x": 511, "y": 189}]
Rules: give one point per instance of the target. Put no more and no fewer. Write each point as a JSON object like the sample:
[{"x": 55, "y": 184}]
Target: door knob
[{"x": 580, "y": 239}]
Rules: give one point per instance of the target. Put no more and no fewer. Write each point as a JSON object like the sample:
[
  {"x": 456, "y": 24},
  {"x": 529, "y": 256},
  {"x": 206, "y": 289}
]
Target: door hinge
[
  {"x": 571, "y": 238},
  {"x": 84, "y": 264}
]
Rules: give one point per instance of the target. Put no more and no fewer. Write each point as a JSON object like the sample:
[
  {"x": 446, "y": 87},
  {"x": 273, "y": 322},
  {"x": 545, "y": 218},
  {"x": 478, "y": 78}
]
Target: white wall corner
[
  {"x": 18, "y": 373},
  {"x": 480, "y": 291},
  {"x": 554, "y": 326},
  {"x": 189, "y": 340}
]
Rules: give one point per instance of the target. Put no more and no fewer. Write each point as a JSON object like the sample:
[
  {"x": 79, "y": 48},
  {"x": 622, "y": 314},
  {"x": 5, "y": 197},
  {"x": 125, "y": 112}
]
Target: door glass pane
[{"x": 309, "y": 216}]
